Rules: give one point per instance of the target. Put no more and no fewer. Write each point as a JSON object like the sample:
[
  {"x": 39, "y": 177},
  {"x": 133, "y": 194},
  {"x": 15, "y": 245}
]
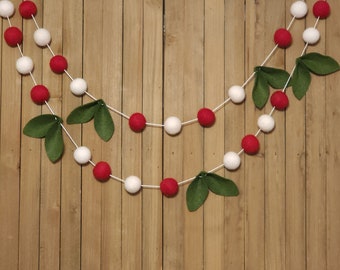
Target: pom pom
[
  {"x": 279, "y": 100},
  {"x": 206, "y": 117},
  {"x": 27, "y": 9},
  {"x": 58, "y": 64},
  {"x": 13, "y": 36},
  {"x": 311, "y": 35},
  {"x": 132, "y": 184},
  {"x": 42, "y": 37},
  {"x": 39, "y": 94},
  {"x": 24, "y": 65},
  {"x": 82, "y": 155},
  {"x": 6, "y": 9},
  {"x": 266, "y": 123},
  {"x": 172, "y": 125},
  {"x": 169, "y": 187},
  {"x": 299, "y": 9},
  {"x": 78, "y": 86},
  {"x": 231, "y": 161},
  {"x": 237, "y": 94},
  {"x": 283, "y": 38},
  {"x": 137, "y": 122},
  {"x": 321, "y": 9},
  {"x": 250, "y": 144},
  {"x": 102, "y": 171}
]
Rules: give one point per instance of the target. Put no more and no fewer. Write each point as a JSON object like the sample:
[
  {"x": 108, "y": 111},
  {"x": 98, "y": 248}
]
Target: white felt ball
[
  {"x": 132, "y": 184},
  {"x": 299, "y": 9},
  {"x": 24, "y": 65},
  {"x": 78, "y": 86},
  {"x": 231, "y": 161},
  {"x": 172, "y": 125},
  {"x": 42, "y": 37},
  {"x": 82, "y": 155},
  {"x": 236, "y": 94},
  {"x": 311, "y": 35},
  {"x": 6, "y": 8},
  {"x": 266, "y": 123}
]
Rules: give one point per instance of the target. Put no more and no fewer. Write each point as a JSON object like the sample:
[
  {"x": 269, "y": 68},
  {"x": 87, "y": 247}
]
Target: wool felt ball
[
  {"x": 102, "y": 171},
  {"x": 279, "y": 100},
  {"x": 266, "y": 123},
  {"x": 236, "y": 94},
  {"x": 132, "y": 184},
  {"x": 169, "y": 187},
  {"x": 78, "y": 86},
  {"x": 206, "y": 117},
  {"x": 27, "y": 9},
  {"x": 13, "y": 36},
  {"x": 311, "y": 35},
  {"x": 299, "y": 9},
  {"x": 24, "y": 65},
  {"x": 137, "y": 122},
  {"x": 82, "y": 155},
  {"x": 39, "y": 94},
  {"x": 42, "y": 37},
  {"x": 6, "y": 9},
  {"x": 321, "y": 9},
  {"x": 172, "y": 125},
  {"x": 231, "y": 161},
  {"x": 58, "y": 64},
  {"x": 250, "y": 144},
  {"x": 283, "y": 38}
]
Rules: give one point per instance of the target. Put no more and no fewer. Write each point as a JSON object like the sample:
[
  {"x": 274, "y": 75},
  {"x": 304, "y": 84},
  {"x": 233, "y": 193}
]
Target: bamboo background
[{"x": 166, "y": 58}]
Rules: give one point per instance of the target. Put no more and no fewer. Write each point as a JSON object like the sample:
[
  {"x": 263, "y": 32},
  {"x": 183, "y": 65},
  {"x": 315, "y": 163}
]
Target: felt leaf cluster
[
  {"x": 47, "y": 126},
  {"x": 98, "y": 111},
  {"x": 198, "y": 190}
]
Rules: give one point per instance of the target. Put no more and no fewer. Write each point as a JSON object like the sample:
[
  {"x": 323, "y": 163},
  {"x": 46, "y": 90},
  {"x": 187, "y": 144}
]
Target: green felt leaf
[
  {"x": 39, "y": 126},
  {"x": 221, "y": 186},
  {"x": 320, "y": 64},
  {"x": 260, "y": 92},
  {"x": 300, "y": 80},
  {"x": 197, "y": 193},
  {"x": 54, "y": 143},
  {"x": 103, "y": 122},
  {"x": 276, "y": 78},
  {"x": 84, "y": 113}
]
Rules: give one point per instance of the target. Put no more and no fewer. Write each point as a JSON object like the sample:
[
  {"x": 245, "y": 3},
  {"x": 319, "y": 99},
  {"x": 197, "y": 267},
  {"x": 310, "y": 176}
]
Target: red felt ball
[
  {"x": 279, "y": 100},
  {"x": 206, "y": 117},
  {"x": 102, "y": 171},
  {"x": 137, "y": 122},
  {"x": 282, "y": 38},
  {"x": 169, "y": 187},
  {"x": 58, "y": 64},
  {"x": 13, "y": 36},
  {"x": 40, "y": 94},
  {"x": 321, "y": 9},
  {"x": 250, "y": 144},
  {"x": 27, "y": 9}
]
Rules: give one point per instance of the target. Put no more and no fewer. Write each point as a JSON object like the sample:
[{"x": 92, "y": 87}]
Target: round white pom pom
[
  {"x": 266, "y": 123},
  {"x": 311, "y": 35},
  {"x": 42, "y": 37},
  {"x": 132, "y": 184},
  {"x": 6, "y": 8},
  {"x": 231, "y": 161},
  {"x": 82, "y": 155},
  {"x": 24, "y": 65},
  {"x": 172, "y": 125},
  {"x": 78, "y": 86},
  {"x": 299, "y": 9},
  {"x": 236, "y": 94}
]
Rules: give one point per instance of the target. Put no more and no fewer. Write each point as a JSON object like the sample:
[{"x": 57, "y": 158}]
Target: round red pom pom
[
  {"x": 137, "y": 122},
  {"x": 58, "y": 64},
  {"x": 39, "y": 94},
  {"x": 250, "y": 144},
  {"x": 13, "y": 36},
  {"x": 206, "y": 117},
  {"x": 102, "y": 171},
  {"x": 321, "y": 9},
  {"x": 283, "y": 38},
  {"x": 169, "y": 187},
  {"x": 279, "y": 100},
  {"x": 27, "y": 9}
]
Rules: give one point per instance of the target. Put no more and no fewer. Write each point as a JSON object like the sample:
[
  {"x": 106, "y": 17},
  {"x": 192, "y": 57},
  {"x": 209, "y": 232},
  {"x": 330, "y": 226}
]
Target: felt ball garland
[
  {"x": 169, "y": 187},
  {"x": 101, "y": 171},
  {"x": 137, "y": 122},
  {"x": 13, "y": 36},
  {"x": 27, "y": 9},
  {"x": 283, "y": 38},
  {"x": 40, "y": 94},
  {"x": 58, "y": 64},
  {"x": 206, "y": 117},
  {"x": 321, "y": 9},
  {"x": 279, "y": 100}
]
